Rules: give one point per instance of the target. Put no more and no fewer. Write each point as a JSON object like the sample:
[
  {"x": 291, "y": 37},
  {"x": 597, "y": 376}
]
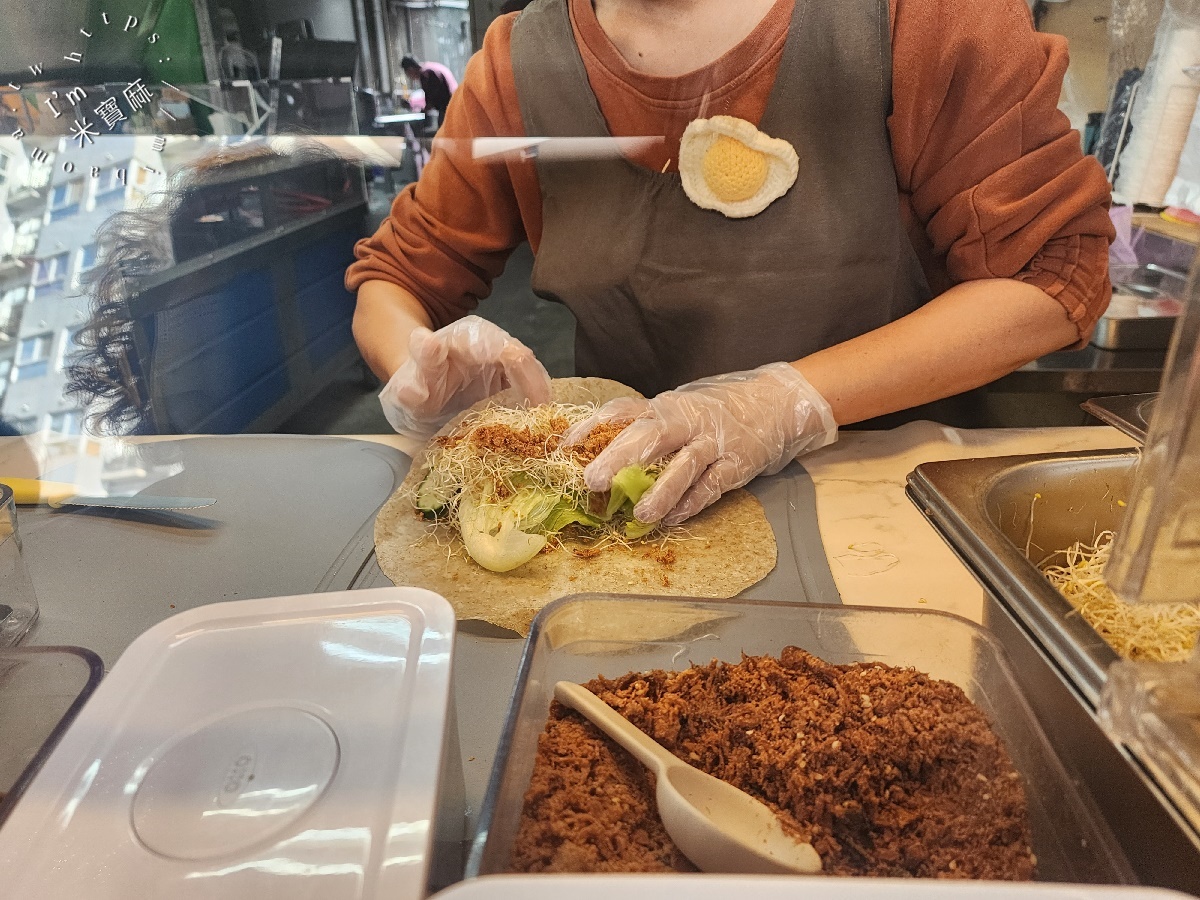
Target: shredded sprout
[
  {"x": 1162, "y": 632},
  {"x": 497, "y": 451}
]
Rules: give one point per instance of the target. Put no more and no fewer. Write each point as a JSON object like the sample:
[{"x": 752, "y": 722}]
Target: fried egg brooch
[{"x": 728, "y": 165}]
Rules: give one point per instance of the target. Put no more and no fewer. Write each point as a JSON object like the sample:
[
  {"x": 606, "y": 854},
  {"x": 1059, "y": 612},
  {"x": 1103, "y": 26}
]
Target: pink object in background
[
  {"x": 1179, "y": 214},
  {"x": 443, "y": 71}
]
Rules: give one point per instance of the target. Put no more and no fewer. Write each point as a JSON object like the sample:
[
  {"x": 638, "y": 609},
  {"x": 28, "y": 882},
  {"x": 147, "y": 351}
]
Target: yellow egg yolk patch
[{"x": 733, "y": 171}]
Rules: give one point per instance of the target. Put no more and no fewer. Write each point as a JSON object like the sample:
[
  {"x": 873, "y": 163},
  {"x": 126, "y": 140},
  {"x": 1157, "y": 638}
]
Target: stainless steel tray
[
  {"x": 1147, "y": 333},
  {"x": 1005, "y": 514},
  {"x": 1129, "y": 414}
]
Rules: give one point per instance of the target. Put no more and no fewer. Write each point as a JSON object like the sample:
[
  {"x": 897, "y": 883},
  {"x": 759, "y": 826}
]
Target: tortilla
[{"x": 726, "y": 549}]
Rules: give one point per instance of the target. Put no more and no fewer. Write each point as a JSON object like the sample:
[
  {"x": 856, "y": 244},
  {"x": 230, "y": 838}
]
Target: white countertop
[{"x": 881, "y": 549}]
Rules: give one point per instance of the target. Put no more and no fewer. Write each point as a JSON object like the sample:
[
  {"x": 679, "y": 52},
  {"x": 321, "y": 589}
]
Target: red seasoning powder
[{"x": 888, "y": 772}]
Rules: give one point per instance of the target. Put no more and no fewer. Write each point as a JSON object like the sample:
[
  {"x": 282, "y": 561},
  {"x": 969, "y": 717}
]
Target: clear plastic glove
[
  {"x": 454, "y": 367},
  {"x": 724, "y": 431}
]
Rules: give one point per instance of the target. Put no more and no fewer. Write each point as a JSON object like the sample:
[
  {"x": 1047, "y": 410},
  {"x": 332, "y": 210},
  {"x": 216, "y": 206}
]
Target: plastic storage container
[
  {"x": 722, "y": 887},
  {"x": 42, "y": 689},
  {"x": 1154, "y": 709},
  {"x": 290, "y": 747},
  {"x": 578, "y": 638},
  {"x": 1156, "y": 552}
]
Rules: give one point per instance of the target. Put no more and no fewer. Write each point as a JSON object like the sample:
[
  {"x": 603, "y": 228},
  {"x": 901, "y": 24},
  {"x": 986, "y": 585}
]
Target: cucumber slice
[{"x": 434, "y": 493}]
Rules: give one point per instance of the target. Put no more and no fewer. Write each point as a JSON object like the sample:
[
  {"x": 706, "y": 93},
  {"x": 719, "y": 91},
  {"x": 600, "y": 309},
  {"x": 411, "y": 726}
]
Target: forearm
[
  {"x": 969, "y": 336},
  {"x": 384, "y": 317}
]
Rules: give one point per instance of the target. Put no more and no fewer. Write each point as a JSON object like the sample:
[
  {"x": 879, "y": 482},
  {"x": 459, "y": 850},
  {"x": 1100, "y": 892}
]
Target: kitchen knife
[{"x": 31, "y": 491}]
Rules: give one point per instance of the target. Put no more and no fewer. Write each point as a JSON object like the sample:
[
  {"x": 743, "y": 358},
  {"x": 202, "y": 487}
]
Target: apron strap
[{"x": 552, "y": 71}]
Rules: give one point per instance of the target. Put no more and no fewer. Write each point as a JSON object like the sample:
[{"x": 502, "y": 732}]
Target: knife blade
[{"x": 34, "y": 492}]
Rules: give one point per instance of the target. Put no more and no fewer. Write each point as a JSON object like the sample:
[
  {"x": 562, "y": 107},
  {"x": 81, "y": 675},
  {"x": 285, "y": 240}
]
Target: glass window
[
  {"x": 5, "y": 165},
  {"x": 85, "y": 260},
  {"x": 70, "y": 346},
  {"x": 12, "y": 298},
  {"x": 39, "y": 173},
  {"x": 26, "y": 371},
  {"x": 67, "y": 422},
  {"x": 64, "y": 199},
  {"x": 42, "y": 290},
  {"x": 25, "y": 242},
  {"x": 32, "y": 349},
  {"x": 11, "y": 304},
  {"x": 437, "y": 31},
  {"x": 109, "y": 180},
  {"x": 66, "y": 193},
  {"x": 49, "y": 270}
]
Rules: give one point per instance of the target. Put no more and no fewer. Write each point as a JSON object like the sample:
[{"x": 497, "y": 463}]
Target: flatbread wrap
[{"x": 716, "y": 554}]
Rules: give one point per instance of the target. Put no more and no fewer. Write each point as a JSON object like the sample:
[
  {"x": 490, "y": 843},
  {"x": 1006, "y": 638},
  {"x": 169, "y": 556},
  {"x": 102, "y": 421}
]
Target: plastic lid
[
  {"x": 722, "y": 887},
  {"x": 258, "y": 749}
]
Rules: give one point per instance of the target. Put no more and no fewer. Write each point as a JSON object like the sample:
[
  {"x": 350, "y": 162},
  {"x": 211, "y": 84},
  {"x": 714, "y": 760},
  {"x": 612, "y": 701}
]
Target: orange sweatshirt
[{"x": 992, "y": 181}]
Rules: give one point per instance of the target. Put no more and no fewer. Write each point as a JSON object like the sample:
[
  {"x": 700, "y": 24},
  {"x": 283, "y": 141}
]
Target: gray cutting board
[{"x": 294, "y": 515}]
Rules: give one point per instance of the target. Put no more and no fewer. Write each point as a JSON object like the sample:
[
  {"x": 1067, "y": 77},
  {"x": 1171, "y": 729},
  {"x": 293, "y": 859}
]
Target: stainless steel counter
[
  {"x": 1001, "y": 515},
  {"x": 1088, "y": 371}
]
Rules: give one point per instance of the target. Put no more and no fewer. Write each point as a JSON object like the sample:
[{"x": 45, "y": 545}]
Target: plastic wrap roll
[
  {"x": 1185, "y": 189},
  {"x": 1132, "y": 26},
  {"x": 1161, "y": 116}
]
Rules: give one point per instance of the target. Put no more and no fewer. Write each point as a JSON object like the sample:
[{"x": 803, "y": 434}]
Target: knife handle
[{"x": 32, "y": 491}]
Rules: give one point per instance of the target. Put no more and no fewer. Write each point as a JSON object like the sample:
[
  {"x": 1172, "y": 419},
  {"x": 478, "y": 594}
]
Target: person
[
  {"x": 436, "y": 81},
  {"x": 941, "y": 228}
]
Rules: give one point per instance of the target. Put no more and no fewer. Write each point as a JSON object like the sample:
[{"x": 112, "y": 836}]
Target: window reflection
[
  {"x": 189, "y": 277},
  {"x": 220, "y": 297},
  {"x": 179, "y": 286}
]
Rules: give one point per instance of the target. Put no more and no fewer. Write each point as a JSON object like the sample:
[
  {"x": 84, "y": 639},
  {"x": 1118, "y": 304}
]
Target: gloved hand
[
  {"x": 727, "y": 430},
  {"x": 454, "y": 367}
]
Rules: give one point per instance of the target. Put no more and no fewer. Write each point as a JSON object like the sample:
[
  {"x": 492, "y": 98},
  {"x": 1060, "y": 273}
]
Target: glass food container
[
  {"x": 580, "y": 637},
  {"x": 771, "y": 887},
  {"x": 18, "y": 603},
  {"x": 1156, "y": 552}
]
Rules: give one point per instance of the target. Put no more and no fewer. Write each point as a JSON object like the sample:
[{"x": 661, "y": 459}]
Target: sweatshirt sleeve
[
  {"x": 449, "y": 235},
  {"x": 990, "y": 166}
]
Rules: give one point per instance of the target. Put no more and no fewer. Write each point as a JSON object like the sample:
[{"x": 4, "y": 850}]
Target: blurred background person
[{"x": 437, "y": 83}]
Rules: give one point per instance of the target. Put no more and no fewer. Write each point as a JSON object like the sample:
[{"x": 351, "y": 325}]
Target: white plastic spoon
[{"x": 716, "y": 826}]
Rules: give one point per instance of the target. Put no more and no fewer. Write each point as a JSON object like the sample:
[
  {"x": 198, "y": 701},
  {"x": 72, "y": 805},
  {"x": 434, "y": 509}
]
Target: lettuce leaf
[
  {"x": 564, "y": 514},
  {"x": 492, "y": 537},
  {"x": 628, "y": 485}
]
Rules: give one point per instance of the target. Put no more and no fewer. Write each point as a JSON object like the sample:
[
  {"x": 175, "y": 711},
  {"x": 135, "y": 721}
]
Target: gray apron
[{"x": 665, "y": 292}]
